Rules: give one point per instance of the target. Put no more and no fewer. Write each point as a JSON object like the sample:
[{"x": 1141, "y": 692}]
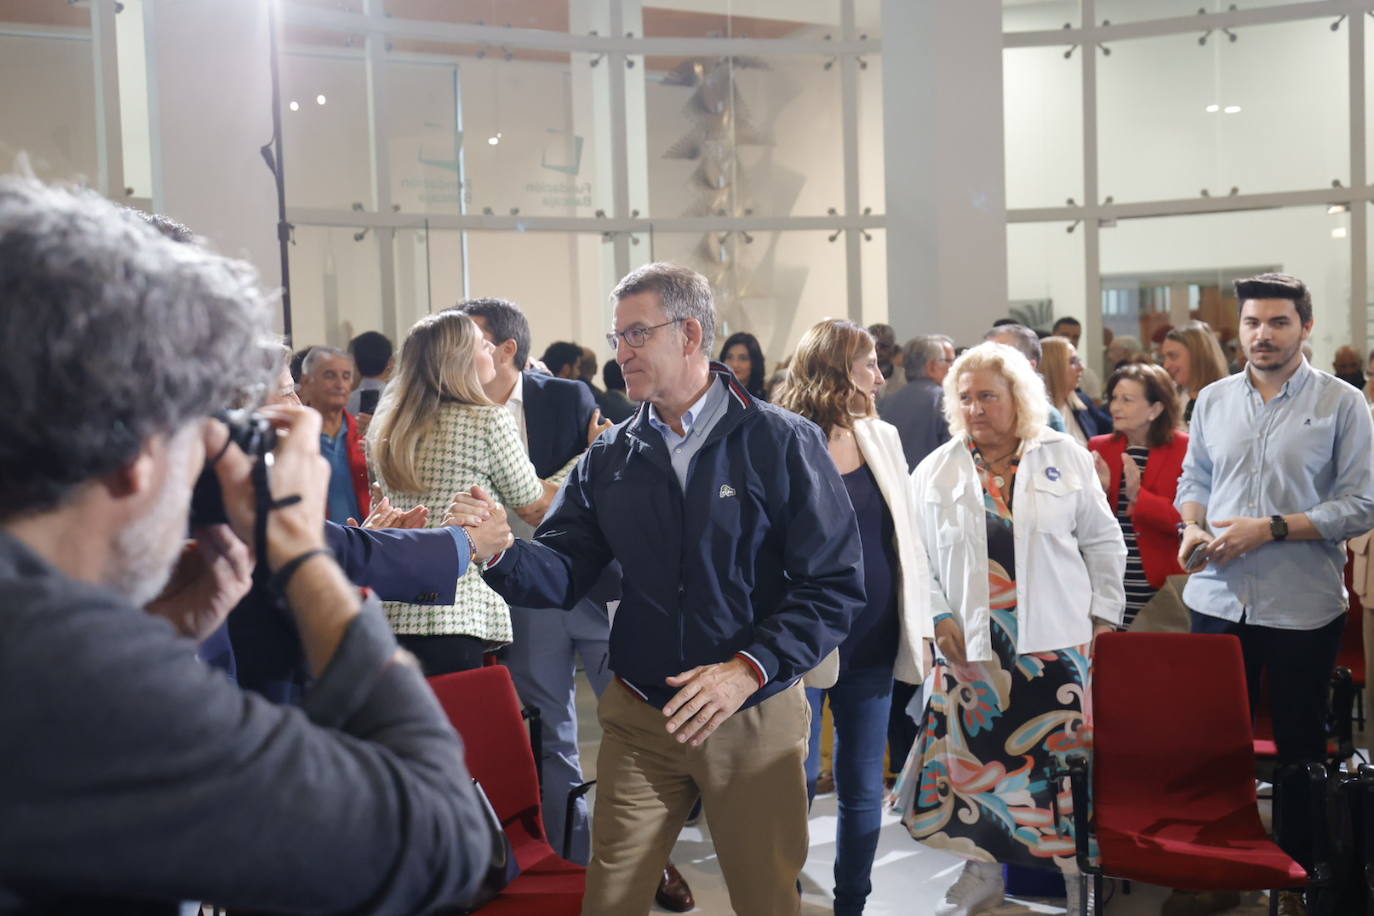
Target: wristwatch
[{"x": 1278, "y": 527}]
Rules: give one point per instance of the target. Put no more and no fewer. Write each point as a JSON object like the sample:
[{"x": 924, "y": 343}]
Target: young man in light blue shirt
[{"x": 1279, "y": 469}]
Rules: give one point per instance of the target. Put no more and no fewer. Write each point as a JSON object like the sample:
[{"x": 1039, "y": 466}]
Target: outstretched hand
[
  {"x": 597, "y": 427},
  {"x": 492, "y": 535}
]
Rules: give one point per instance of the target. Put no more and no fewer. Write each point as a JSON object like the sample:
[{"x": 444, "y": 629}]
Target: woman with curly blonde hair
[
  {"x": 1026, "y": 562},
  {"x": 833, "y": 381}
]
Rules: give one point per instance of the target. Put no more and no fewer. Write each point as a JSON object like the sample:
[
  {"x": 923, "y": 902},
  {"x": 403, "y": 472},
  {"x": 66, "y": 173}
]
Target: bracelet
[
  {"x": 473, "y": 559},
  {"x": 1183, "y": 525},
  {"x": 288, "y": 569}
]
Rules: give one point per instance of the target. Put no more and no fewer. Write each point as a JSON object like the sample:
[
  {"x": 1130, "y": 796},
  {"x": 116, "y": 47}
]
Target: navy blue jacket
[
  {"x": 263, "y": 649},
  {"x": 760, "y": 556},
  {"x": 557, "y": 414},
  {"x": 1093, "y": 420}
]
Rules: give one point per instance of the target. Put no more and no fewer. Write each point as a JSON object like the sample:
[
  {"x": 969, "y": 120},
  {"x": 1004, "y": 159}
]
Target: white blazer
[
  {"x": 1070, "y": 556},
  {"x": 881, "y": 447}
]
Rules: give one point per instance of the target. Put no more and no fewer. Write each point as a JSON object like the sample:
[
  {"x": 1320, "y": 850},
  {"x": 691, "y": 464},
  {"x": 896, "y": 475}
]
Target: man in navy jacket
[{"x": 741, "y": 570}]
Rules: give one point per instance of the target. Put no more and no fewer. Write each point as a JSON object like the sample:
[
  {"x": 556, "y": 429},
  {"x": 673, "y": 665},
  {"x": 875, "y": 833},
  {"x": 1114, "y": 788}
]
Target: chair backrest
[
  {"x": 1171, "y": 722},
  {"x": 485, "y": 711}
]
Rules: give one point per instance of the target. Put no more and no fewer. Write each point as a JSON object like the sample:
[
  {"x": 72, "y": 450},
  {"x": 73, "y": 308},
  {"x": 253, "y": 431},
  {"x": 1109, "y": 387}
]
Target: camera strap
[{"x": 263, "y": 505}]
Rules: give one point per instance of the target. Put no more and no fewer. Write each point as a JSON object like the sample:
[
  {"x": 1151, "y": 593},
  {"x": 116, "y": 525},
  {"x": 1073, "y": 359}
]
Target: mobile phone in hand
[{"x": 1197, "y": 557}]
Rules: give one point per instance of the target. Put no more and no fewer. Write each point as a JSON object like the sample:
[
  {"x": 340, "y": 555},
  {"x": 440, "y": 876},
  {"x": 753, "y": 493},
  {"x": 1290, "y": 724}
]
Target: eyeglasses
[{"x": 636, "y": 337}]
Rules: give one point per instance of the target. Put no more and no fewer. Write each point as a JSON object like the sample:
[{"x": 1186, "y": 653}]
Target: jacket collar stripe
[{"x": 739, "y": 391}]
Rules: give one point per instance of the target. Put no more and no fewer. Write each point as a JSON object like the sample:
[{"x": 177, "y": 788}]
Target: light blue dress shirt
[
  {"x": 697, "y": 424},
  {"x": 1308, "y": 451}
]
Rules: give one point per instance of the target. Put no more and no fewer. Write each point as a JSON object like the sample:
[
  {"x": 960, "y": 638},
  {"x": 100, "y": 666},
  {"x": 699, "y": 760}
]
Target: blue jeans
[{"x": 859, "y": 703}]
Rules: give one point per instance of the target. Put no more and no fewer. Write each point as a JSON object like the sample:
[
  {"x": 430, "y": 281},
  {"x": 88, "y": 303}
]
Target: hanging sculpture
[{"x": 720, "y": 125}]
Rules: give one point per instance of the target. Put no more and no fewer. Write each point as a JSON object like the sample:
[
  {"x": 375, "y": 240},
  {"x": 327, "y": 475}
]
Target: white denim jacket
[
  {"x": 881, "y": 447},
  {"x": 1070, "y": 556}
]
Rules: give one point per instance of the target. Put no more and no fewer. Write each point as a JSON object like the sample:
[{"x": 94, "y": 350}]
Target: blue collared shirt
[
  {"x": 1308, "y": 451},
  {"x": 697, "y": 424}
]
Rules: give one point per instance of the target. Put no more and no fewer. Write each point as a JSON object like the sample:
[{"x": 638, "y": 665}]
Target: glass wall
[
  {"x": 56, "y": 128},
  {"x": 542, "y": 173},
  {"x": 336, "y": 285},
  {"x": 1043, "y": 105},
  {"x": 1176, "y": 119},
  {"x": 740, "y": 137},
  {"x": 1212, "y": 163}
]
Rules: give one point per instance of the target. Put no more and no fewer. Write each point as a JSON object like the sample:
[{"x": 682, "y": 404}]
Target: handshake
[{"x": 483, "y": 518}]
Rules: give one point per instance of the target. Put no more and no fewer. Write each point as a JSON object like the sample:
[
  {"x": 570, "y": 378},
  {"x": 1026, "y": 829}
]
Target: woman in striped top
[{"x": 1138, "y": 466}]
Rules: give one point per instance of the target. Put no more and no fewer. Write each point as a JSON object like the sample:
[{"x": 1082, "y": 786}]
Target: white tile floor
[{"x": 909, "y": 879}]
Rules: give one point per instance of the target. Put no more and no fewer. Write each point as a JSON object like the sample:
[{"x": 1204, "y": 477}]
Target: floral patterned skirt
[{"x": 983, "y": 762}]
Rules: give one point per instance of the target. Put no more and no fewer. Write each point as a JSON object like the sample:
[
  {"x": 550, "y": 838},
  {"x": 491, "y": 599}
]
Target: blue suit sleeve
[{"x": 418, "y": 566}]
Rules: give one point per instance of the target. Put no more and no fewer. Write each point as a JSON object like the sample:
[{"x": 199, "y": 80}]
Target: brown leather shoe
[{"x": 673, "y": 894}]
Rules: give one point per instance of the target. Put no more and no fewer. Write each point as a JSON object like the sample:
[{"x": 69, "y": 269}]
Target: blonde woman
[
  {"x": 1026, "y": 563},
  {"x": 1194, "y": 360},
  {"x": 833, "y": 381},
  {"x": 436, "y": 434},
  {"x": 1062, "y": 370}
]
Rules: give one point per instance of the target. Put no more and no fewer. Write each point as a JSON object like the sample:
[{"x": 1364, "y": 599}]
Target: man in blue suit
[{"x": 556, "y": 417}]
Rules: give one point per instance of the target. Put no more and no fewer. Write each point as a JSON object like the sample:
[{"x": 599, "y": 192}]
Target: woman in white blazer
[
  {"x": 833, "y": 380},
  {"x": 1026, "y": 561}
]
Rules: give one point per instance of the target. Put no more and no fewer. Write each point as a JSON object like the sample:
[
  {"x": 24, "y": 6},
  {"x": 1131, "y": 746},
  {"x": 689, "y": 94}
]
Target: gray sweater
[{"x": 132, "y": 776}]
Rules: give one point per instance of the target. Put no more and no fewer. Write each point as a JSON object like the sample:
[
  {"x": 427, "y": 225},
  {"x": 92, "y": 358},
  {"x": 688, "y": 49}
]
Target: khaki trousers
[{"x": 750, "y": 777}]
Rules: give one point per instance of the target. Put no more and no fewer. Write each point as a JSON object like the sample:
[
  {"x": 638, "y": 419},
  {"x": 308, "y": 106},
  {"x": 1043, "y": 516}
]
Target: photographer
[{"x": 134, "y": 776}]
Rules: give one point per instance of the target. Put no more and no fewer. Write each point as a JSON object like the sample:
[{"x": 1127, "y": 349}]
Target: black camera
[{"x": 256, "y": 437}]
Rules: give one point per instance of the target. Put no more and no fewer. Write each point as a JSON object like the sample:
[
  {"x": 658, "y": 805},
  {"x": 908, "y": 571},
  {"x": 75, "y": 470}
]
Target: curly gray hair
[{"x": 116, "y": 334}]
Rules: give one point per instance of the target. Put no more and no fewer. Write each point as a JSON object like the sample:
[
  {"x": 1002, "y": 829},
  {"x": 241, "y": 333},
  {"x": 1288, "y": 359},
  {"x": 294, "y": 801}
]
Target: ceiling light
[
  {"x": 1338, "y": 232},
  {"x": 295, "y": 106},
  {"x": 1213, "y": 109},
  {"x": 319, "y": 100},
  {"x": 1232, "y": 109},
  {"x": 494, "y": 139},
  {"x": 1337, "y": 208}
]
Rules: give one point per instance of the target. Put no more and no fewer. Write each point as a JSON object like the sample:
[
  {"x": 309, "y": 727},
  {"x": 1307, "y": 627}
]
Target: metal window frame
[
  {"x": 1093, "y": 213},
  {"x": 619, "y": 47}
]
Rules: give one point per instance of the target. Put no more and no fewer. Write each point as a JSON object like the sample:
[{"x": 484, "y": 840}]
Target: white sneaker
[
  {"x": 1071, "y": 901},
  {"x": 979, "y": 887}
]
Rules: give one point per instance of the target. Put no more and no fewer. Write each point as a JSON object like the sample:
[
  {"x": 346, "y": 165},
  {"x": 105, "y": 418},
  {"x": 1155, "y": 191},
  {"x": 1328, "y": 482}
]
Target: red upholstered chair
[
  {"x": 483, "y": 707},
  {"x": 1173, "y": 788}
]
